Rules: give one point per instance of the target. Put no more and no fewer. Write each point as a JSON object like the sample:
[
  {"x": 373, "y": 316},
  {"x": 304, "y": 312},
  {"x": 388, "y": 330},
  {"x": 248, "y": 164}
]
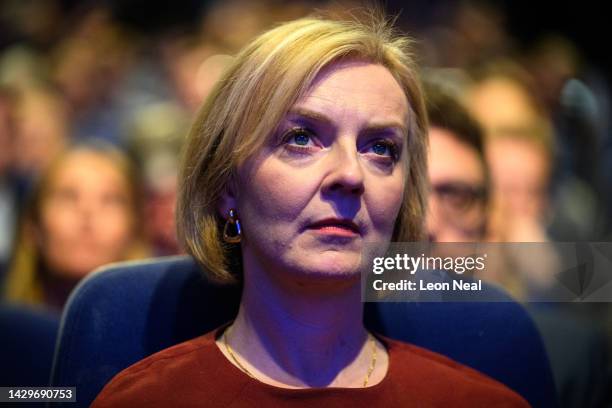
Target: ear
[{"x": 227, "y": 201}]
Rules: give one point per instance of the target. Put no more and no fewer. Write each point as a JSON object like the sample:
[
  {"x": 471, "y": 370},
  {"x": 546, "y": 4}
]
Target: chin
[
  {"x": 80, "y": 269},
  {"x": 333, "y": 266}
]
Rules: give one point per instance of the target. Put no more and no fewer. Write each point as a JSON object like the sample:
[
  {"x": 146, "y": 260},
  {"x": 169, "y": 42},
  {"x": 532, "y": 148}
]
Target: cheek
[
  {"x": 57, "y": 225},
  {"x": 57, "y": 237},
  {"x": 433, "y": 213},
  {"x": 114, "y": 226},
  {"x": 275, "y": 192},
  {"x": 383, "y": 203}
]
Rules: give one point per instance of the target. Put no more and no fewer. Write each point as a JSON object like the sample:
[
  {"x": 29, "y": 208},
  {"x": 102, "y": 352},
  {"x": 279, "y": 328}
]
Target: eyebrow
[
  {"x": 310, "y": 115},
  {"x": 318, "y": 117}
]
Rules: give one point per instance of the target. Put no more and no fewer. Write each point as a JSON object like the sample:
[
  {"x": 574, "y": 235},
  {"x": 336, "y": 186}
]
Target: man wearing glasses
[{"x": 457, "y": 171}]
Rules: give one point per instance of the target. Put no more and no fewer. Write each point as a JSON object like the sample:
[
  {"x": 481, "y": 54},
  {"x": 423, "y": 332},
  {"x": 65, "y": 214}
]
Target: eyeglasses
[
  {"x": 461, "y": 197},
  {"x": 462, "y": 204}
]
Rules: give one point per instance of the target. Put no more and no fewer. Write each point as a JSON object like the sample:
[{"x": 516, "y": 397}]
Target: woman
[
  {"x": 84, "y": 214},
  {"x": 312, "y": 144}
]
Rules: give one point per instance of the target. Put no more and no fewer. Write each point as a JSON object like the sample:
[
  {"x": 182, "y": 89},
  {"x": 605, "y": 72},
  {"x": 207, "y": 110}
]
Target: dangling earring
[{"x": 234, "y": 223}]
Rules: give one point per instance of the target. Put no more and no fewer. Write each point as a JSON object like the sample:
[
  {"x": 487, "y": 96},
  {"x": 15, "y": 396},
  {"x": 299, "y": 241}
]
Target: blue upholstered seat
[
  {"x": 27, "y": 340},
  {"x": 126, "y": 312}
]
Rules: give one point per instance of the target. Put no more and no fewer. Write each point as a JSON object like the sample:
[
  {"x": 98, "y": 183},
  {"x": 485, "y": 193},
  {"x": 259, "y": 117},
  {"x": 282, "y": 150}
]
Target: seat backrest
[
  {"x": 496, "y": 338},
  {"x": 27, "y": 339},
  {"x": 125, "y": 312}
]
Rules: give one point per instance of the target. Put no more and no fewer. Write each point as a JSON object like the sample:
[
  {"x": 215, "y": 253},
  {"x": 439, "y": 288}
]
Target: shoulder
[
  {"x": 161, "y": 376},
  {"x": 429, "y": 373}
]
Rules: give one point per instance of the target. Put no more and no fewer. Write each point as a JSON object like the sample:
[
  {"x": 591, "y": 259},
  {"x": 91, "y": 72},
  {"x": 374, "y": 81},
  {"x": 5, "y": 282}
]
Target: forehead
[
  {"x": 85, "y": 168},
  {"x": 500, "y": 102},
  {"x": 450, "y": 159},
  {"x": 366, "y": 90},
  {"x": 514, "y": 159}
]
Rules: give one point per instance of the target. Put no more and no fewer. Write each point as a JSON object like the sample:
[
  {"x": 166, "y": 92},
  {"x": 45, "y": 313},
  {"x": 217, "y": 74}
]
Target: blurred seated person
[
  {"x": 519, "y": 153},
  {"x": 312, "y": 144},
  {"x": 519, "y": 145},
  {"x": 458, "y": 213},
  {"x": 458, "y": 173},
  {"x": 33, "y": 129},
  {"x": 42, "y": 129},
  {"x": 156, "y": 134},
  {"x": 519, "y": 148},
  {"x": 84, "y": 213}
]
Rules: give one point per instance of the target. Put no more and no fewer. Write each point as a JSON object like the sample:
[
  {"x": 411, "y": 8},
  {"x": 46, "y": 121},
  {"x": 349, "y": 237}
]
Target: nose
[
  {"x": 86, "y": 209},
  {"x": 346, "y": 173}
]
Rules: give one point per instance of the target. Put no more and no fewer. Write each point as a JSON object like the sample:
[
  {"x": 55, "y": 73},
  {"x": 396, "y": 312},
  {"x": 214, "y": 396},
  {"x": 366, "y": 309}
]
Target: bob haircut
[{"x": 255, "y": 92}]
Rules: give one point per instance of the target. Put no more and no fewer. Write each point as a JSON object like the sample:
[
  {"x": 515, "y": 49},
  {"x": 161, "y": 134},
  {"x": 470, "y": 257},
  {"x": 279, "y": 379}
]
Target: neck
[{"x": 298, "y": 335}]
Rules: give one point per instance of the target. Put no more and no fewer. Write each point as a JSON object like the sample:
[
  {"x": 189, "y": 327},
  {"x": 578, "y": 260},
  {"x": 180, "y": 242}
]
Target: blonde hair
[{"x": 253, "y": 95}]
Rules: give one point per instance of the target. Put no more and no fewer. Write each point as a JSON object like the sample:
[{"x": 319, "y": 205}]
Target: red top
[{"x": 196, "y": 374}]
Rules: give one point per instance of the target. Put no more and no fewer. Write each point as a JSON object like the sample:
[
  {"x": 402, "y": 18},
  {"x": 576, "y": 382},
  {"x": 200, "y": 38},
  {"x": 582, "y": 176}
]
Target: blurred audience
[
  {"x": 458, "y": 213},
  {"x": 577, "y": 97},
  {"x": 84, "y": 213},
  {"x": 156, "y": 137},
  {"x": 191, "y": 64},
  {"x": 518, "y": 149},
  {"x": 89, "y": 77},
  {"x": 464, "y": 34},
  {"x": 41, "y": 132}
]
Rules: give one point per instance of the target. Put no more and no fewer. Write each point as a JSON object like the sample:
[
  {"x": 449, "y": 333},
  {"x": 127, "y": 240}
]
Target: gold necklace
[{"x": 247, "y": 372}]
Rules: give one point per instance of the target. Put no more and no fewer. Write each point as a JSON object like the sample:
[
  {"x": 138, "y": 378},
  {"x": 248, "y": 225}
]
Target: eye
[
  {"x": 65, "y": 195},
  {"x": 381, "y": 149},
  {"x": 384, "y": 148},
  {"x": 459, "y": 196},
  {"x": 299, "y": 137},
  {"x": 300, "y": 141}
]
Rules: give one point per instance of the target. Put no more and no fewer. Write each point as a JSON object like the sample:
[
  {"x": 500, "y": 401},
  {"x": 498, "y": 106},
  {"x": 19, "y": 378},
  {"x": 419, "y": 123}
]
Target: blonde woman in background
[{"x": 84, "y": 213}]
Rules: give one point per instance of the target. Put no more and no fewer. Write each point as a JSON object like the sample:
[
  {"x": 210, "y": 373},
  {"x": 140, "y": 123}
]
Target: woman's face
[
  {"x": 86, "y": 216},
  {"x": 331, "y": 178}
]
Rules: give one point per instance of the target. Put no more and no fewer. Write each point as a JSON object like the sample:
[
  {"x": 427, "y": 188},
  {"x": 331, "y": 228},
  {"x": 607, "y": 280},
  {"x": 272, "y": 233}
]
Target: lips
[{"x": 336, "y": 226}]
